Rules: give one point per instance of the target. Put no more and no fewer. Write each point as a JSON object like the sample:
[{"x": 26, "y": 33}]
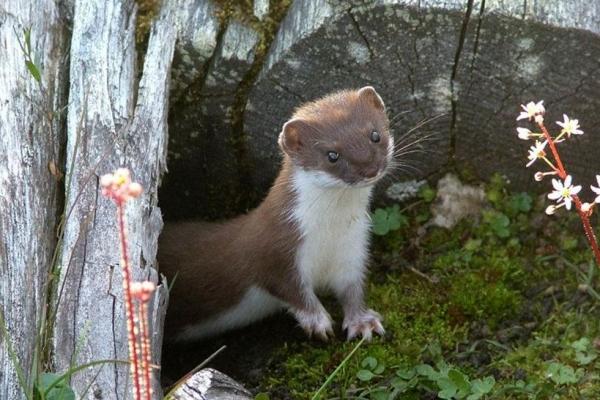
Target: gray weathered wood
[
  {"x": 418, "y": 56},
  {"x": 210, "y": 384},
  {"x": 203, "y": 132},
  {"x": 197, "y": 39},
  {"x": 29, "y": 193},
  {"x": 110, "y": 125}
]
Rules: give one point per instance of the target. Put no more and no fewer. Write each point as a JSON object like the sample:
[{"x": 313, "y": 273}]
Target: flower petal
[
  {"x": 554, "y": 196},
  {"x": 568, "y": 203},
  {"x": 557, "y": 184}
]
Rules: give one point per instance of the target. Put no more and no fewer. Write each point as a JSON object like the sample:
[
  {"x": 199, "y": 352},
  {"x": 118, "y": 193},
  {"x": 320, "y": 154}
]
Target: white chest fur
[{"x": 334, "y": 225}]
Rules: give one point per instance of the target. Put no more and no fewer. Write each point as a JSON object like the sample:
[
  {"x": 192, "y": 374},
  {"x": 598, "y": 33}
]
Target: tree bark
[
  {"x": 112, "y": 121},
  {"x": 30, "y": 152}
]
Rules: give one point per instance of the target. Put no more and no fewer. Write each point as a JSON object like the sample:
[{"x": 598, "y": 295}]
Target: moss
[
  {"x": 415, "y": 315},
  {"x": 147, "y": 11},
  {"x": 474, "y": 296}
]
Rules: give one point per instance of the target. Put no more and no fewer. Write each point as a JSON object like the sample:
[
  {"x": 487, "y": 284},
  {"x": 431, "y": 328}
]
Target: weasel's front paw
[
  {"x": 363, "y": 324},
  {"x": 317, "y": 323}
]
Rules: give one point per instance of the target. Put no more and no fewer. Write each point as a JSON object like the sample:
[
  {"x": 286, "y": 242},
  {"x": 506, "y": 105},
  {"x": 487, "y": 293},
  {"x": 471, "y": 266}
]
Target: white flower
[
  {"x": 524, "y": 133},
  {"x": 596, "y": 189},
  {"x": 536, "y": 151},
  {"x": 531, "y": 110},
  {"x": 570, "y": 126},
  {"x": 564, "y": 191}
]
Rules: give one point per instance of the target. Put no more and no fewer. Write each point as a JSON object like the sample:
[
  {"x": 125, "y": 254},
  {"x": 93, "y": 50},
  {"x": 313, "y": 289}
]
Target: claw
[
  {"x": 316, "y": 324},
  {"x": 364, "y": 323}
]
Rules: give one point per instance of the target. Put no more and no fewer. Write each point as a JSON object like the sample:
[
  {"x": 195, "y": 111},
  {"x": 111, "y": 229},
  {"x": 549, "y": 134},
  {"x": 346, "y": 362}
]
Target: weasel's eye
[
  {"x": 333, "y": 156},
  {"x": 375, "y": 137}
]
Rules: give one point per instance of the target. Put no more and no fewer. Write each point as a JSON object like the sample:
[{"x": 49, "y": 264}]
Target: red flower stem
[
  {"x": 145, "y": 342},
  {"x": 128, "y": 300},
  {"x": 584, "y": 216}
]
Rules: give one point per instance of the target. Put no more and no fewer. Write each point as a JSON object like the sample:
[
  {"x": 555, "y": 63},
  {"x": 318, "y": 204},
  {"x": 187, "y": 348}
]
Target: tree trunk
[
  {"x": 111, "y": 123},
  {"x": 30, "y": 153}
]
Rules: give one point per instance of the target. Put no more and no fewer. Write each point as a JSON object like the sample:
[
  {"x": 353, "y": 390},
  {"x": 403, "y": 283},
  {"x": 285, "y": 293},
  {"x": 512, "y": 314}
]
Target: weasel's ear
[
  {"x": 292, "y": 136},
  {"x": 369, "y": 95}
]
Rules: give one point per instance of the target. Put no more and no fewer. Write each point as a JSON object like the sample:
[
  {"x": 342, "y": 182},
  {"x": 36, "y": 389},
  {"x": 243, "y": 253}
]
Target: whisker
[{"x": 400, "y": 114}]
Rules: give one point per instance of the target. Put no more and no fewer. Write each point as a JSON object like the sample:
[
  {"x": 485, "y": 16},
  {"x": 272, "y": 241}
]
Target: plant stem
[
  {"x": 145, "y": 344},
  {"x": 584, "y": 216},
  {"x": 128, "y": 299},
  {"x": 317, "y": 395}
]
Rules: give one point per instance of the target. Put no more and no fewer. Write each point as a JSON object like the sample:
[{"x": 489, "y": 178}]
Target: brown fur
[{"x": 216, "y": 263}]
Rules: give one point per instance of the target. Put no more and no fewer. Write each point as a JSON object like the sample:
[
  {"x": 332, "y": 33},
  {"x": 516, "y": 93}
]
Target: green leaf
[
  {"x": 481, "y": 387},
  {"x": 365, "y": 375},
  {"x": 584, "y": 358},
  {"x": 406, "y": 374},
  {"x": 427, "y": 193},
  {"x": 33, "y": 70},
  {"x": 581, "y": 345},
  {"x": 262, "y": 396},
  {"x": 380, "y": 394},
  {"x": 472, "y": 245},
  {"x": 388, "y": 219},
  {"x": 380, "y": 222},
  {"x": 498, "y": 223},
  {"x": 379, "y": 369},
  {"x": 369, "y": 362},
  {"x": 561, "y": 374},
  {"x": 60, "y": 390},
  {"x": 520, "y": 202},
  {"x": 27, "y": 35},
  {"x": 460, "y": 380},
  {"x": 427, "y": 370},
  {"x": 448, "y": 388}
]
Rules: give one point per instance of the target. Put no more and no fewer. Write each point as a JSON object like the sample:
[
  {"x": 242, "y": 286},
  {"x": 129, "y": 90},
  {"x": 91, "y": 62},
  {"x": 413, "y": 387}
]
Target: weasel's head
[{"x": 341, "y": 140}]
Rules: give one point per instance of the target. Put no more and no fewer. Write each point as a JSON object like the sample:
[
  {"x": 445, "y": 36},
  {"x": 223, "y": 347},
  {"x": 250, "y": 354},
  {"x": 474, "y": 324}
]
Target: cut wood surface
[{"x": 210, "y": 384}]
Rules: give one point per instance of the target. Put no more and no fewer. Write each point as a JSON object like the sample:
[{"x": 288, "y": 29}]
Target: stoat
[{"x": 309, "y": 235}]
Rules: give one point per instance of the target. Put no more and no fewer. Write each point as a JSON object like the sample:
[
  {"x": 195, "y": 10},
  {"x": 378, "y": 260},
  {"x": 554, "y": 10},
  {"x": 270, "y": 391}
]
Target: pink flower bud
[
  {"x": 538, "y": 176},
  {"x": 106, "y": 180},
  {"x": 550, "y": 209},
  {"x": 135, "y": 189}
]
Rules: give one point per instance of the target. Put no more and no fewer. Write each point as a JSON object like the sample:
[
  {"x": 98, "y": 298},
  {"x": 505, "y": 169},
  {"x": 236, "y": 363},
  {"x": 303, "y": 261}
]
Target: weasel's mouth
[{"x": 371, "y": 181}]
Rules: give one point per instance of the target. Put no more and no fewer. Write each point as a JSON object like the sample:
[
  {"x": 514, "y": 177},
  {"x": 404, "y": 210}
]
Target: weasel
[{"x": 310, "y": 234}]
